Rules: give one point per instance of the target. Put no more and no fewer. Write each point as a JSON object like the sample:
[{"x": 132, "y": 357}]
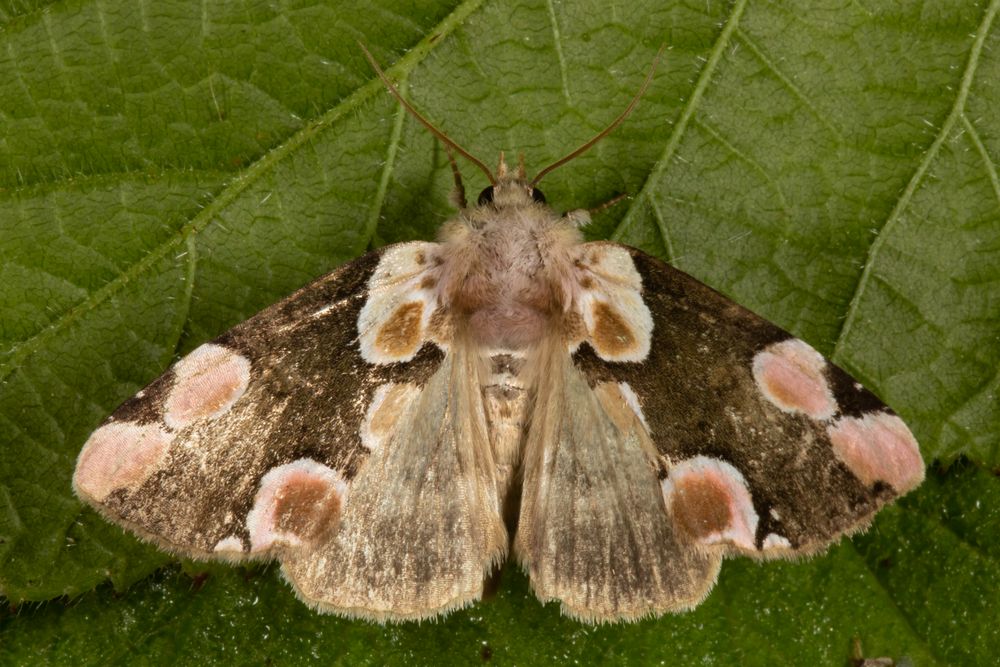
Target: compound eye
[
  {"x": 486, "y": 196},
  {"x": 537, "y": 195}
]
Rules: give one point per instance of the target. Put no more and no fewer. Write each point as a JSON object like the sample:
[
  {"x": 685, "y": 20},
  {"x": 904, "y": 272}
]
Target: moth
[{"x": 393, "y": 430}]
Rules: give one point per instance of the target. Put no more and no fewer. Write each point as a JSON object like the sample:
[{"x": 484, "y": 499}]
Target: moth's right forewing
[
  {"x": 763, "y": 447},
  {"x": 753, "y": 423}
]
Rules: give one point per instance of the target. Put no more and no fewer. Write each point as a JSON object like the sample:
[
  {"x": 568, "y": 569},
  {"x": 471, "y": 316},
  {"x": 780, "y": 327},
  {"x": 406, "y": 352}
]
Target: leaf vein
[
  {"x": 673, "y": 141},
  {"x": 187, "y": 295},
  {"x": 557, "y": 39},
  {"x": 661, "y": 225},
  {"x": 743, "y": 157},
  {"x": 387, "y": 168},
  {"x": 988, "y": 163},
  {"x": 789, "y": 84},
  {"x": 956, "y": 113}
]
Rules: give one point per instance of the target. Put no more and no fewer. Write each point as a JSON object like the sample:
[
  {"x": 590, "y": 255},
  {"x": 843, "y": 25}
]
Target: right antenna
[{"x": 606, "y": 131}]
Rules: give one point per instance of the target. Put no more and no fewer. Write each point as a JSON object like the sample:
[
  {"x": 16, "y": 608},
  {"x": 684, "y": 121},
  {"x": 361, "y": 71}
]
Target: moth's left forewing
[
  {"x": 340, "y": 431},
  {"x": 185, "y": 461},
  {"x": 763, "y": 446}
]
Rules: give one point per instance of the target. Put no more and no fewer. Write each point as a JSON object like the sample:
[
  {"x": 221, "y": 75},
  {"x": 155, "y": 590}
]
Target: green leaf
[{"x": 168, "y": 169}]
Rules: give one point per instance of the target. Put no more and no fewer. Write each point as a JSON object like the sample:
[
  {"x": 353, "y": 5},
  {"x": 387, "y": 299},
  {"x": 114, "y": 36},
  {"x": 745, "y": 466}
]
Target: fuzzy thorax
[{"x": 506, "y": 268}]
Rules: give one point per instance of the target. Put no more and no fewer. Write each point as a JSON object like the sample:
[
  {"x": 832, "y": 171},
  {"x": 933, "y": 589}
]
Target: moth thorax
[
  {"x": 503, "y": 275},
  {"x": 507, "y": 302},
  {"x": 510, "y": 311}
]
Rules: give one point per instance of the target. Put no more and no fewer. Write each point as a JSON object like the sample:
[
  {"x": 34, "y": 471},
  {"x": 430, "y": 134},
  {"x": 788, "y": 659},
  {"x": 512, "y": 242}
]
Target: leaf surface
[{"x": 168, "y": 169}]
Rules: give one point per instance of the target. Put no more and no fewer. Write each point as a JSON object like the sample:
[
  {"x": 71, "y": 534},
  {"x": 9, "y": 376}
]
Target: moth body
[{"x": 504, "y": 275}]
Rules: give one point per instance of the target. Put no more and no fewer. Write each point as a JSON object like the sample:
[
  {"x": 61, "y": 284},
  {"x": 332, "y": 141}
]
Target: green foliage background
[{"x": 167, "y": 169}]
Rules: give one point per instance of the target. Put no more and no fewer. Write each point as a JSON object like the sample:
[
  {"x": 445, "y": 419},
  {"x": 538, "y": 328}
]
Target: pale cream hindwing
[
  {"x": 593, "y": 531},
  {"x": 422, "y": 527}
]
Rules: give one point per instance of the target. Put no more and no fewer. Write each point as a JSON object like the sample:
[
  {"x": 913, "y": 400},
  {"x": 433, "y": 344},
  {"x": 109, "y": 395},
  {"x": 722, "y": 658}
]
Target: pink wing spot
[
  {"x": 208, "y": 382},
  {"x": 295, "y": 504},
  {"x": 878, "y": 447},
  {"x": 709, "y": 502},
  {"x": 119, "y": 455},
  {"x": 791, "y": 376}
]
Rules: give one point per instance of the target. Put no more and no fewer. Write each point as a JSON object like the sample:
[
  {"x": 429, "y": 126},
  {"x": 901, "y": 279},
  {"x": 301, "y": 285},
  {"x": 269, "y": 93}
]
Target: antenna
[
  {"x": 606, "y": 131},
  {"x": 423, "y": 121}
]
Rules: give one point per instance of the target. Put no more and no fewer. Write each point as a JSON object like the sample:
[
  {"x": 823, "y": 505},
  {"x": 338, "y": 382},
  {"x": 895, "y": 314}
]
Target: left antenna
[{"x": 423, "y": 121}]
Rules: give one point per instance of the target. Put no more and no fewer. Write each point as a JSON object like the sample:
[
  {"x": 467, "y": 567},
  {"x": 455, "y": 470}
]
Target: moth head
[{"x": 508, "y": 190}]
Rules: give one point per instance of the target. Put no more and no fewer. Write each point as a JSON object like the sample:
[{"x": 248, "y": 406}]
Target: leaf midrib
[{"x": 236, "y": 186}]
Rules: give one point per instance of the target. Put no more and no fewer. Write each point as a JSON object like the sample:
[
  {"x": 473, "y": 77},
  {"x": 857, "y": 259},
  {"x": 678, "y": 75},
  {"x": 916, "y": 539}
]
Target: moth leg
[{"x": 457, "y": 195}]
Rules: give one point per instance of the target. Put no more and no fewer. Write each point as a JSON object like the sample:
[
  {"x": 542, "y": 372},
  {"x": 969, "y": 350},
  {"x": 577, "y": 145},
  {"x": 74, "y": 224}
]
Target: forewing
[
  {"x": 249, "y": 445},
  {"x": 763, "y": 446}
]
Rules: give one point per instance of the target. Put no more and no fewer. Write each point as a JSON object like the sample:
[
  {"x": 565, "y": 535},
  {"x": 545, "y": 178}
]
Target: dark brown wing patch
[
  {"x": 819, "y": 453},
  {"x": 287, "y": 385}
]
